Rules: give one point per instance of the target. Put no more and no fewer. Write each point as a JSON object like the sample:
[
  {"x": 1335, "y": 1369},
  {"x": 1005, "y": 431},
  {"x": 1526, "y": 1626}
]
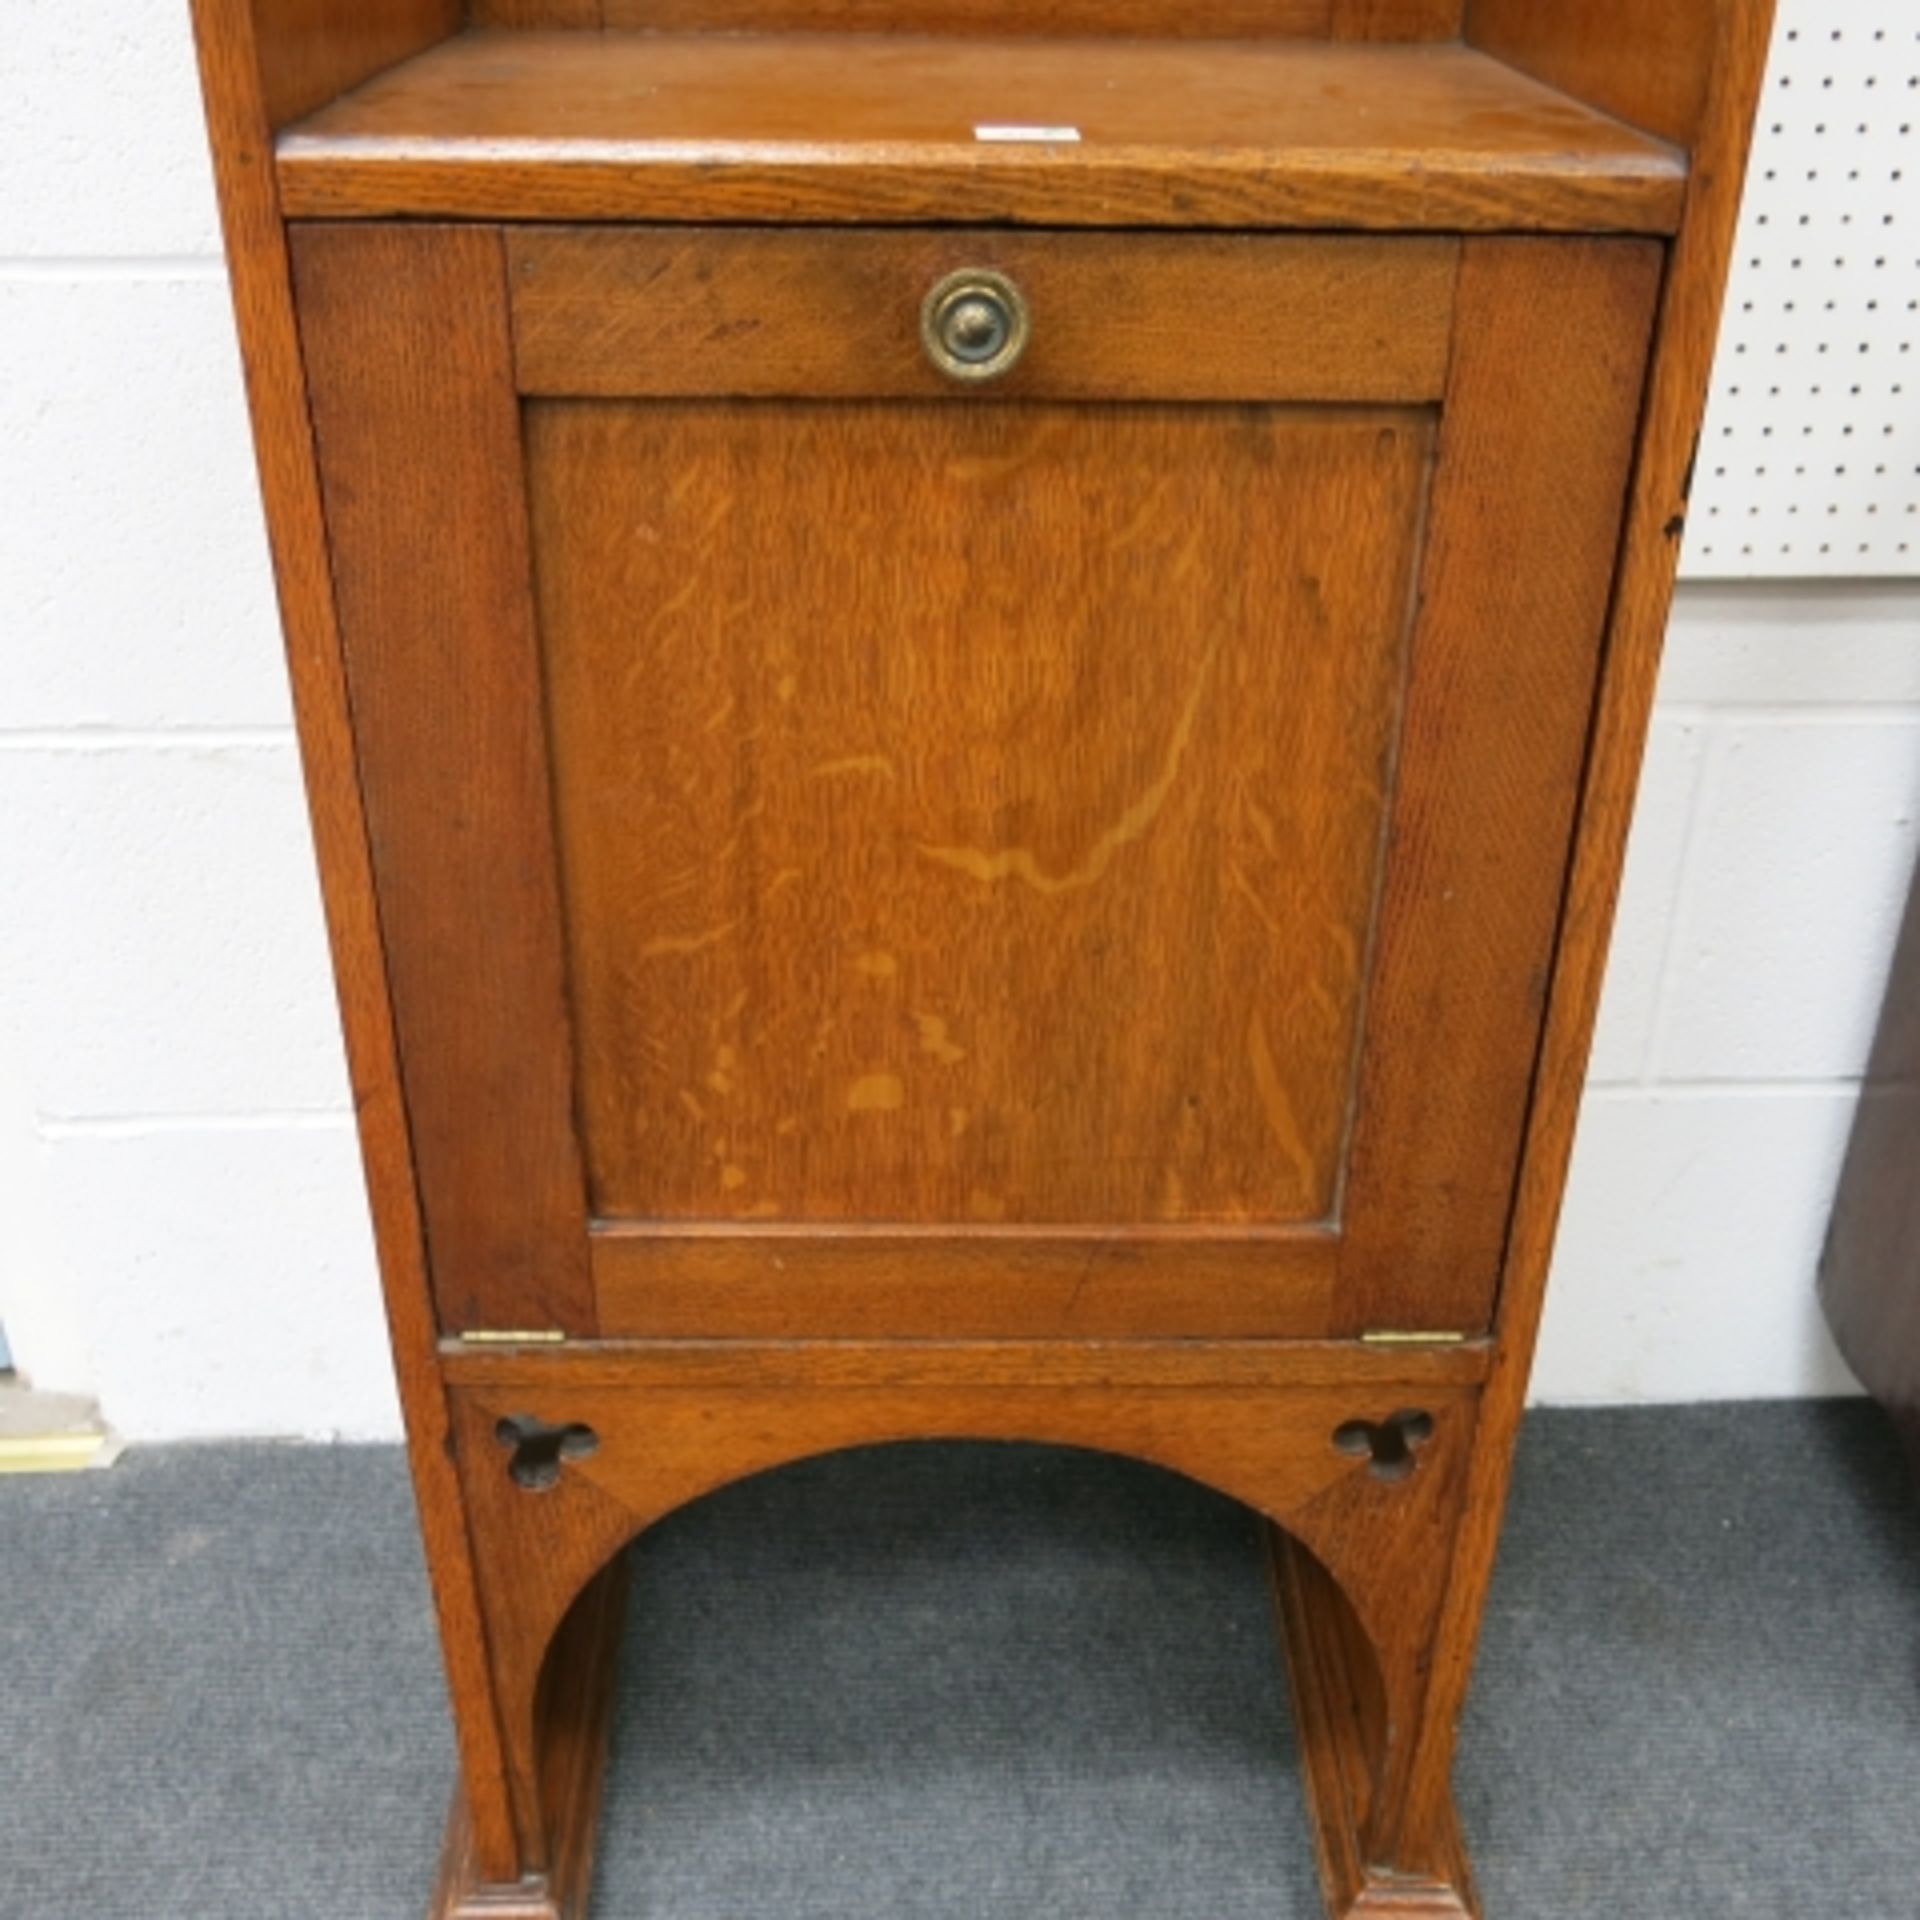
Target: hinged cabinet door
[{"x": 867, "y": 852}]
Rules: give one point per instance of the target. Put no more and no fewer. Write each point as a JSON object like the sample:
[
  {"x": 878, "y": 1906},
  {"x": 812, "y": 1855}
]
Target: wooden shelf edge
[
  {"x": 926, "y": 187},
  {"x": 850, "y": 129}
]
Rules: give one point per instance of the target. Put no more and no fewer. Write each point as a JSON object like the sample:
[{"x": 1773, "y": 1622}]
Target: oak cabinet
[{"x": 970, "y": 697}]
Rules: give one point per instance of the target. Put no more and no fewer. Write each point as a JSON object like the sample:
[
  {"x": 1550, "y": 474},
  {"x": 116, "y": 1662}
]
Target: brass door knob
[{"x": 974, "y": 324}]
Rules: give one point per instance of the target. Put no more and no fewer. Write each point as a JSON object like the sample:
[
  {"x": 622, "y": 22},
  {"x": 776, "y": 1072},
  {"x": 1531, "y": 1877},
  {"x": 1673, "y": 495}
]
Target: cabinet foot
[
  {"x": 575, "y": 1720},
  {"x": 1336, "y": 1710}
]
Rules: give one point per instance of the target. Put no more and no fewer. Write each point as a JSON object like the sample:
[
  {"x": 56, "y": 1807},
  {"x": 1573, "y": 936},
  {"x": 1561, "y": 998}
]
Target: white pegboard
[{"x": 1811, "y": 460}]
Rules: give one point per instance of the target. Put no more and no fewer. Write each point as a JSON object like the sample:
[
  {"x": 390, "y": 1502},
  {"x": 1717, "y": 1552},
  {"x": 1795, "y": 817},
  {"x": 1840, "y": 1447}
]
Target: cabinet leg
[
  {"x": 1341, "y": 1717},
  {"x": 573, "y": 1722}
]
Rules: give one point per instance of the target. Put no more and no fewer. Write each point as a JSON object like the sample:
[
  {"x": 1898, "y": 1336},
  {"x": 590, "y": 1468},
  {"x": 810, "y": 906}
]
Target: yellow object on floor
[{"x": 52, "y": 1433}]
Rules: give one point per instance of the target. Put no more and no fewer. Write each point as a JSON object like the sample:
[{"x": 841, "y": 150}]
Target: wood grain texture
[
  {"x": 573, "y": 1720},
  {"x": 537, "y": 14},
  {"x": 462, "y": 1890},
  {"x": 756, "y": 1282},
  {"x": 1018, "y": 869},
  {"x": 1393, "y": 20},
  {"x": 312, "y": 51},
  {"x": 657, "y": 1448},
  {"x": 1675, "y": 402},
  {"x": 1514, "y": 592},
  {"x": 417, "y": 434},
  {"x": 1339, "y": 1715},
  {"x": 1647, "y": 61},
  {"x": 1218, "y": 20},
  {"x": 1206, "y": 20},
  {"x": 879, "y": 128},
  {"x": 258, "y": 273},
  {"x": 824, "y": 1366},
  {"x": 666, "y": 312}
]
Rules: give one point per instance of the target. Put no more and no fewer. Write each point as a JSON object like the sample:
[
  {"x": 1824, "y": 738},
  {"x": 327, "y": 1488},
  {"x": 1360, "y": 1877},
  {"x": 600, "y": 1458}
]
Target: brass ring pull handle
[{"x": 974, "y": 324}]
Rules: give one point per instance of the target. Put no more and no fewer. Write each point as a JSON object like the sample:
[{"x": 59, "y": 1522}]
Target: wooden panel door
[{"x": 863, "y": 854}]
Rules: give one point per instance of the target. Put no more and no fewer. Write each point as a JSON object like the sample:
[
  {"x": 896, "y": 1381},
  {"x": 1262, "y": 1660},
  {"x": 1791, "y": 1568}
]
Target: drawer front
[
  {"x": 867, "y": 848},
  {"x": 665, "y": 312}
]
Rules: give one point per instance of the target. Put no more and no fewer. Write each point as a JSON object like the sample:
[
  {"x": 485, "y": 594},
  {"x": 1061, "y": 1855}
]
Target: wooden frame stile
[
  {"x": 1572, "y": 41},
  {"x": 241, "y": 118},
  {"x": 417, "y": 433},
  {"x": 1433, "y": 1154}
]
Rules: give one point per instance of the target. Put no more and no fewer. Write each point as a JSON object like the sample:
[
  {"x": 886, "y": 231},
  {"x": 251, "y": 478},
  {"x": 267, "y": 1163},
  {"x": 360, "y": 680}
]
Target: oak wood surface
[
  {"x": 1339, "y": 1715},
  {"x": 1196, "y": 19},
  {"x": 1536, "y": 445},
  {"x": 417, "y": 435},
  {"x": 1648, "y": 61},
  {"x": 462, "y": 1891},
  {"x": 1675, "y": 401},
  {"x": 834, "y": 128},
  {"x": 641, "y": 1451},
  {"x": 1020, "y": 870},
  {"x": 1395, "y": 19},
  {"x": 573, "y": 1727},
  {"x": 522, "y": 14},
  {"x": 674, "y": 311},
  {"x": 893, "y": 1363},
  {"x": 573, "y": 1721},
  {"x": 259, "y": 276},
  {"x": 754, "y": 1280},
  {"x": 312, "y": 51},
  {"x": 1214, "y": 20}
]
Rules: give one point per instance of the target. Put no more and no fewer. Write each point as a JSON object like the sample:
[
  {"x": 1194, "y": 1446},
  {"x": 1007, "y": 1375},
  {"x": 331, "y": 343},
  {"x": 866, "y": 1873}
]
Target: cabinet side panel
[
  {"x": 417, "y": 430},
  {"x": 258, "y": 269},
  {"x": 1535, "y": 443},
  {"x": 312, "y": 51},
  {"x": 1646, "y": 61},
  {"x": 1396, "y": 19},
  {"x": 1694, "y": 286},
  {"x": 536, "y": 13}
]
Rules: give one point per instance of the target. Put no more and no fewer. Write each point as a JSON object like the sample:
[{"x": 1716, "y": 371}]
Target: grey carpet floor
[{"x": 976, "y": 1683}]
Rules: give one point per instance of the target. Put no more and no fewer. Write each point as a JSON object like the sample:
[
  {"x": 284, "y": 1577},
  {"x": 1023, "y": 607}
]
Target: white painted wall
[
  {"x": 177, "y": 1110},
  {"x": 182, "y": 1227},
  {"x": 1769, "y": 864}
]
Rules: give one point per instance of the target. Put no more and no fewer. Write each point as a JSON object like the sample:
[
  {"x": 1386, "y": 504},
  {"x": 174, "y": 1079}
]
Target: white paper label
[{"x": 1059, "y": 136}]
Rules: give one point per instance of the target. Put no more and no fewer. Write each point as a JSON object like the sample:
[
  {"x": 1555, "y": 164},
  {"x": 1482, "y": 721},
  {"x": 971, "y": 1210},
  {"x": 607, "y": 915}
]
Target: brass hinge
[
  {"x": 514, "y": 1337},
  {"x": 1396, "y": 1337}
]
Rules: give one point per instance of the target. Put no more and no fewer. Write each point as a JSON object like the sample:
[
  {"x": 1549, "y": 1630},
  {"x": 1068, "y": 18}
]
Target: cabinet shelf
[{"x": 826, "y": 127}]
